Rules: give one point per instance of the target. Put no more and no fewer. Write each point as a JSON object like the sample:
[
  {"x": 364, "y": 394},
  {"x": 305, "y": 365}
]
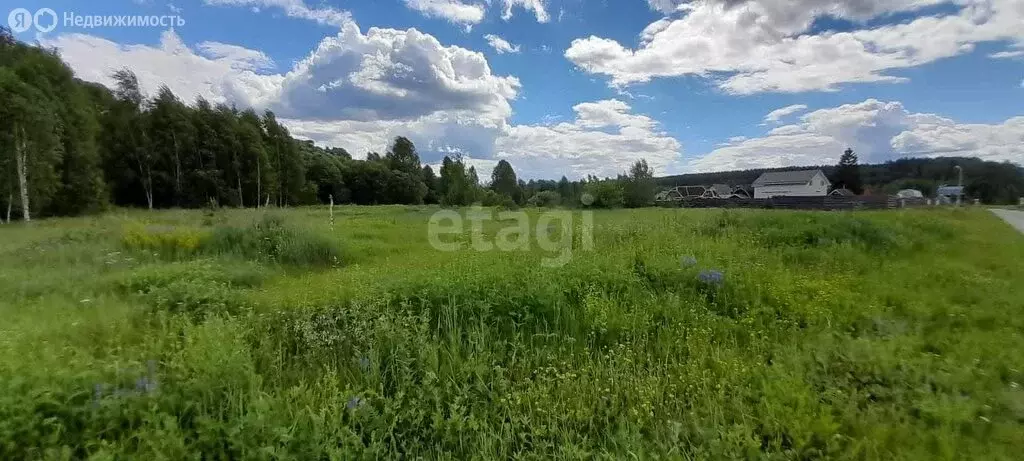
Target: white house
[{"x": 805, "y": 183}]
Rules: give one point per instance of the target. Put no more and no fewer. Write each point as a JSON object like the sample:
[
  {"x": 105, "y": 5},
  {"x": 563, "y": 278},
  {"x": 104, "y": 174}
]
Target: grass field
[{"x": 166, "y": 335}]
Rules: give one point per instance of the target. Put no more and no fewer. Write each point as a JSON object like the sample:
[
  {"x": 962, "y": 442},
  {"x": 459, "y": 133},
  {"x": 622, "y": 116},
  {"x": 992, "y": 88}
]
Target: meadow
[{"x": 275, "y": 334}]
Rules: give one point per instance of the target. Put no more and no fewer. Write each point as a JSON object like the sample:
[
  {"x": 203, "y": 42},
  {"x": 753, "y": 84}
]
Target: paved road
[{"x": 1015, "y": 218}]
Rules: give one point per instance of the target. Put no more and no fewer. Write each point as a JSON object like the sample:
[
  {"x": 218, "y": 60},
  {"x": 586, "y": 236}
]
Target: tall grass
[
  {"x": 268, "y": 240},
  {"x": 685, "y": 335}
]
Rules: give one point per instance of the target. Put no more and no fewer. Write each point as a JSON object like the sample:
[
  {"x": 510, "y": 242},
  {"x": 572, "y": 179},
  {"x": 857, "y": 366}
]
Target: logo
[
  {"x": 21, "y": 20},
  {"x": 45, "y": 20},
  {"x": 555, "y": 233}
]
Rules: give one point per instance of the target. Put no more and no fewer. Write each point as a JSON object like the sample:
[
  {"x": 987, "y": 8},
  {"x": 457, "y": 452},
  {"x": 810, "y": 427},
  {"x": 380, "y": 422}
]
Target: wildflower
[
  {"x": 712, "y": 277},
  {"x": 688, "y": 261},
  {"x": 364, "y": 364},
  {"x": 353, "y": 403}
]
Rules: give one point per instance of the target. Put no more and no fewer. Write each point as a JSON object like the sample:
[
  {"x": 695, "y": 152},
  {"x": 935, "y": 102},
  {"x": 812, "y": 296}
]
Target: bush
[
  {"x": 269, "y": 240},
  {"x": 546, "y": 199}
]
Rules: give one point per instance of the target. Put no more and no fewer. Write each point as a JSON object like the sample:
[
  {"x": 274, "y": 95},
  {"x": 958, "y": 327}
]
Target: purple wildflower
[{"x": 712, "y": 277}]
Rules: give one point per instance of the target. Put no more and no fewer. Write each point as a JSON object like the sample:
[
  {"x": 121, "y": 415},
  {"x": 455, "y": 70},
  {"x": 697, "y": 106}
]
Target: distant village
[{"x": 809, "y": 186}]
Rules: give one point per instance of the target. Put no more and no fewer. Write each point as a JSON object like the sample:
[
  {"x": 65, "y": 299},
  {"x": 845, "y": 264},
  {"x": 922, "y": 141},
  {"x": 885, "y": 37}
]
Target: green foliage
[
  {"x": 548, "y": 199},
  {"x": 197, "y": 289},
  {"x": 456, "y": 185},
  {"x": 606, "y": 194},
  {"x": 270, "y": 240},
  {"x": 638, "y": 187},
  {"x": 874, "y": 335},
  {"x": 504, "y": 182},
  {"x": 847, "y": 175}
]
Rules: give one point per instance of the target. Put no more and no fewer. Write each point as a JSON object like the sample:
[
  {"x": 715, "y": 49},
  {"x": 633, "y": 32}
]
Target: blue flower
[
  {"x": 712, "y": 277},
  {"x": 364, "y": 364},
  {"x": 353, "y": 403},
  {"x": 688, "y": 261}
]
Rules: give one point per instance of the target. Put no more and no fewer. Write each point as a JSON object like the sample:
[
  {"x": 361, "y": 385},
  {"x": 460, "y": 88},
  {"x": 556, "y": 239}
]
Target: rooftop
[{"x": 780, "y": 178}]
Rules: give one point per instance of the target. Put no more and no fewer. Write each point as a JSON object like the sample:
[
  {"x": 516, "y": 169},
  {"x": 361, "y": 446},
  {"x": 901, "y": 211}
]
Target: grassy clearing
[{"x": 846, "y": 336}]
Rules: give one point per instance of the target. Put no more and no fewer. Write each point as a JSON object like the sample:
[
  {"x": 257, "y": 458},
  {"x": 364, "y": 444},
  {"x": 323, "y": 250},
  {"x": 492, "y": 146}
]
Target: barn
[{"x": 802, "y": 183}]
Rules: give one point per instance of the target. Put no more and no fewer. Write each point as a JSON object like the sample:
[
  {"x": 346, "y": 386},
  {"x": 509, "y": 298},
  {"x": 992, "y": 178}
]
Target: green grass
[{"x": 874, "y": 335}]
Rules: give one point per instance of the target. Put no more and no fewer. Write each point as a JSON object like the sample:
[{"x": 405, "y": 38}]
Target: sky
[{"x": 581, "y": 87}]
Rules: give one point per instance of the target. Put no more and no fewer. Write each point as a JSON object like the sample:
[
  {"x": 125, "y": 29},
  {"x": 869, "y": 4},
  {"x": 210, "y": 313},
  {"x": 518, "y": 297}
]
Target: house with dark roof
[{"x": 802, "y": 183}]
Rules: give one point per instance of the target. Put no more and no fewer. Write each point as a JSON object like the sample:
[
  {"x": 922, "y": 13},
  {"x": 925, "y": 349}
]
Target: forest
[{"x": 70, "y": 147}]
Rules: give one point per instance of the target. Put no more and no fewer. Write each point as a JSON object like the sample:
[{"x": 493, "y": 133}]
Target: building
[
  {"x": 950, "y": 194},
  {"x": 804, "y": 183}
]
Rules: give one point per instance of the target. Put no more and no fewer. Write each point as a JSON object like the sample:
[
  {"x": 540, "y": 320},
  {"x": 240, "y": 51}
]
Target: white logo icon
[
  {"x": 51, "y": 24},
  {"x": 22, "y": 20}
]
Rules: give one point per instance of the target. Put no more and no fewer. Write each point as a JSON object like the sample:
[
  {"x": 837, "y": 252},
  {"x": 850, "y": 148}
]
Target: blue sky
[{"x": 574, "y": 87}]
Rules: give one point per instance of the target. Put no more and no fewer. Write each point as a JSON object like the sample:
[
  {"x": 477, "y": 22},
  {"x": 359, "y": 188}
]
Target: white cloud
[
  {"x": 943, "y": 137},
  {"x": 501, "y": 45},
  {"x": 537, "y": 6},
  {"x": 174, "y": 9},
  {"x": 238, "y": 57},
  {"x": 1009, "y": 54},
  {"x": 390, "y": 74},
  {"x": 226, "y": 73},
  {"x": 354, "y": 90},
  {"x": 293, "y": 8},
  {"x": 767, "y": 45},
  {"x": 878, "y": 131},
  {"x": 454, "y": 11},
  {"x": 604, "y": 140},
  {"x": 777, "y": 115},
  {"x": 665, "y": 6}
]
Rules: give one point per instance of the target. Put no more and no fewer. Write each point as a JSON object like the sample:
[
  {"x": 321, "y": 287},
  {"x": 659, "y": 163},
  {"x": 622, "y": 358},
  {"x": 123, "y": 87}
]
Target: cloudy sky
[{"x": 578, "y": 87}]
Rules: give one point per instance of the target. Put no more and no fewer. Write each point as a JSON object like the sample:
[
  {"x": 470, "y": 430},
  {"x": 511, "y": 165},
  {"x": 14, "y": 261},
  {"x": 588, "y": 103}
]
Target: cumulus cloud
[
  {"x": 769, "y": 45},
  {"x": 454, "y": 11},
  {"x": 777, "y": 115},
  {"x": 293, "y": 8},
  {"x": 393, "y": 75},
  {"x": 537, "y": 6},
  {"x": 501, "y": 45},
  {"x": 219, "y": 73},
  {"x": 878, "y": 131},
  {"x": 665, "y": 6},
  {"x": 238, "y": 57},
  {"x": 604, "y": 140}
]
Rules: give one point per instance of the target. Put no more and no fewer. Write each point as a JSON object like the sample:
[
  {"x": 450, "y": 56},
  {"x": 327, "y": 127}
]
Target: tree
[
  {"x": 639, "y": 187},
  {"x": 286, "y": 160},
  {"x": 30, "y": 142},
  {"x": 504, "y": 182},
  {"x": 431, "y": 181},
  {"x": 606, "y": 193},
  {"x": 171, "y": 133},
  {"x": 848, "y": 173},
  {"x": 128, "y": 132},
  {"x": 456, "y": 186},
  {"x": 403, "y": 157}
]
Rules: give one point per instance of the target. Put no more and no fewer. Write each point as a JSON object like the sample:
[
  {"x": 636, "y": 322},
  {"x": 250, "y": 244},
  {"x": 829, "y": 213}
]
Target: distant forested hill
[{"x": 992, "y": 182}]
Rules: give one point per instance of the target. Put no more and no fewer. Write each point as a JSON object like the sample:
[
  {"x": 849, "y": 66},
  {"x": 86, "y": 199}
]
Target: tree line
[
  {"x": 990, "y": 182},
  {"x": 69, "y": 147}
]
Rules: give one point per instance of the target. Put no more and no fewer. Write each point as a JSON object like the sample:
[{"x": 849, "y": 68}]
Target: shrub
[
  {"x": 270, "y": 240},
  {"x": 168, "y": 242},
  {"x": 546, "y": 199}
]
